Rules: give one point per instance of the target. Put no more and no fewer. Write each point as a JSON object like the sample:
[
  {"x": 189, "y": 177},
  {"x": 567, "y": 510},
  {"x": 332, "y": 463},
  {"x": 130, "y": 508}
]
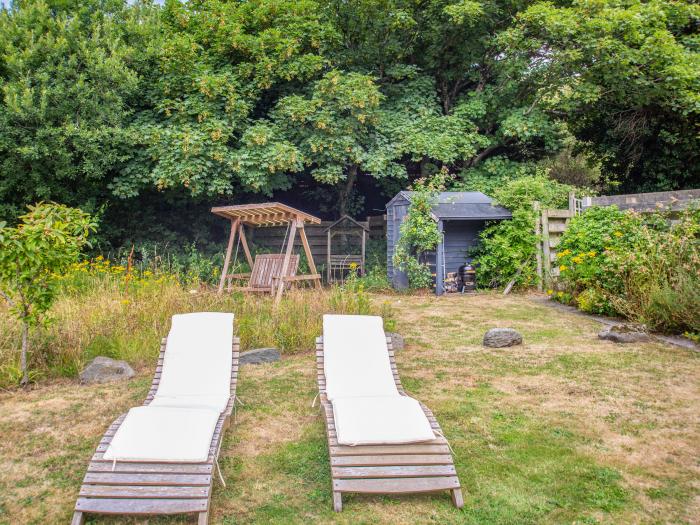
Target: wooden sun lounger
[
  {"x": 387, "y": 469},
  {"x": 153, "y": 488}
]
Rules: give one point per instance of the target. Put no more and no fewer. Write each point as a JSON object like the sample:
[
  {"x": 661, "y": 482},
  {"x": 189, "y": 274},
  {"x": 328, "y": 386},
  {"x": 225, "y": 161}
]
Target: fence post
[
  {"x": 572, "y": 204},
  {"x": 538, "y": 244},
  {"x": 545, "y": 247}
]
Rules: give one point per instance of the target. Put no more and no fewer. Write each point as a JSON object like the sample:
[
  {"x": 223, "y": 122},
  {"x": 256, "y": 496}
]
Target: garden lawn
[{"x": 563, "y": 429}]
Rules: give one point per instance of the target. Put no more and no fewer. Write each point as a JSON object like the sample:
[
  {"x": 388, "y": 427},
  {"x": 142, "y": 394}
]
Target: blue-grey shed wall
[{"x": 459, "y": 237}]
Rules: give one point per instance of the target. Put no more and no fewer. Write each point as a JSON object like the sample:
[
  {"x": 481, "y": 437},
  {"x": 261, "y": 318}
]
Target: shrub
[
  {"x": 645, "y": 268},
  {"x": 32, "y": 256},
  {"x": 374, "y": 281},
  {"x": 585, "y": 255},
  {"x": 660, "y": 276},
  {"x": 507, "y": 248}
]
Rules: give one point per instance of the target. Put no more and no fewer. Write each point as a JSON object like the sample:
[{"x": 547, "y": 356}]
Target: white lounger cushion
[
  {"x": 367, "y": 406},
  {"x": 356, "y": 358},
  {"x": 176, "y": 435},
  {"x": 380, "y": 420},
  {"x": 197, "y": 364}
]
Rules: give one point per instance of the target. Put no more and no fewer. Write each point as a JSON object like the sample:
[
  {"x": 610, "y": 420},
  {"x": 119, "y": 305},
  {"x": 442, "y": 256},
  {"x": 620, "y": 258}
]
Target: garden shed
[{"x": 461, "y": 215}]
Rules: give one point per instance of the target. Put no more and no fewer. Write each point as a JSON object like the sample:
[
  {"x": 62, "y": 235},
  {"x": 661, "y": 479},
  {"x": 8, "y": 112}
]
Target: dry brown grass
[{"x": 565, "y": 428}]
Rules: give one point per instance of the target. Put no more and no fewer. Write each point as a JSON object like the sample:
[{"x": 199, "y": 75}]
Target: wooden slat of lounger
[
  {"x": 391, "y": 459},
  {"x": 130, "y": 478},
  {"x": 394, "y": 471},
  {"x": 371, "y": 450},
  {"x": 141, "y": 491},
  {"x": 395, "y": 485},
  {"x": 150, "y": 468},
  {"x": 141, "y": 506},
  {"x": 98, "y": 457}
]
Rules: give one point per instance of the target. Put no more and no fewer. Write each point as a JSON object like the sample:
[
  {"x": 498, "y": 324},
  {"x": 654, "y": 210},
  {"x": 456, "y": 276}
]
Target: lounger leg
[
  {"x": 337, "y": 501},
  {"x": 78, "y": 518},
  {"x": 203, "y": 518},
  {"x": 457, "y": 498}
]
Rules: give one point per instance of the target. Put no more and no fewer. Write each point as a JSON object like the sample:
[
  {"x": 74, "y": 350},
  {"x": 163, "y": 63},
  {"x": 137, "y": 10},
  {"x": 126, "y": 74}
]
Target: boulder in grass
[
  {"x": 105, "y": 370},
  {"x": 259, "y": 356},
  {"x": 397, "y": 342},
  {"x": 502, "y": 337},
  {"x": 625, "y": 333}
]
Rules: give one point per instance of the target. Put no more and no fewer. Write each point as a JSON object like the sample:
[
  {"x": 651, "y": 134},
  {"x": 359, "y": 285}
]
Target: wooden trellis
[{"x": 345, "y": 229}]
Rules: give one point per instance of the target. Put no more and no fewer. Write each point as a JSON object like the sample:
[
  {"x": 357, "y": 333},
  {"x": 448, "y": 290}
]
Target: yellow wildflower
[
  {"x": 592, "y": 253},
  {"x": 563, "y": 268},
  {"x": 617, "y": 234}
]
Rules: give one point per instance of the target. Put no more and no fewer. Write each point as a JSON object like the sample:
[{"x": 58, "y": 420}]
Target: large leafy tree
[
  {"x": 68, "y": 81},
  {"x": 625, "y": 76},
  {"x": 157, "y": 110},
  {"x": 221, "y": 68},
  {"x": 448, "y": 100}
]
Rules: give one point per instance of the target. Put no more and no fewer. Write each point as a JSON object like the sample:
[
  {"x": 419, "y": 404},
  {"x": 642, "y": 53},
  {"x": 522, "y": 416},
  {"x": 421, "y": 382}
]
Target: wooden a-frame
[{"x": 269, "y": 214}]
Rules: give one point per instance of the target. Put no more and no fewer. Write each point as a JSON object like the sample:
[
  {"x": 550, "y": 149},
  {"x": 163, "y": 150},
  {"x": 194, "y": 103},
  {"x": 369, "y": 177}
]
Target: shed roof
[
  {"x": 466, "y": 205},
  {"x": 264, "y": 214}
]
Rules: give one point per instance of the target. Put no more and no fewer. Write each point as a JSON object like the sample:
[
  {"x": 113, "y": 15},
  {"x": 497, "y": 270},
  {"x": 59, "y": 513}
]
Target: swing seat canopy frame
[{"x": 280, "y": 271}]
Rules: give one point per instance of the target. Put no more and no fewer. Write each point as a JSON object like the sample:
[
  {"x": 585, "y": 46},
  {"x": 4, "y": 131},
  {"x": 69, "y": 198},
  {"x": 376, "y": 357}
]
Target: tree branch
[
  {"x": 481, "y": 156},
  {"x": 7, "y": 298}
]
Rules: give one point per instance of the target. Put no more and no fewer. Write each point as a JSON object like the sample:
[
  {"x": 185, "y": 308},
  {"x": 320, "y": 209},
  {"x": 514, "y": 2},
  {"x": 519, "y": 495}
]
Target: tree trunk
[
  {"x": 23, "y": 356},
  {"x": 346, "y": 190}
]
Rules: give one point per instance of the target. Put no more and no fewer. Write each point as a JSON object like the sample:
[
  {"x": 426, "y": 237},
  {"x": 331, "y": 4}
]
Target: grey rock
[
  {"x": 104, "y": 370},
  {"x": 625, "y": 333},
  {"x": 397, "y": 341},
  {"x": 259, "y": 356},
  {"x": 502, "y": 337}
]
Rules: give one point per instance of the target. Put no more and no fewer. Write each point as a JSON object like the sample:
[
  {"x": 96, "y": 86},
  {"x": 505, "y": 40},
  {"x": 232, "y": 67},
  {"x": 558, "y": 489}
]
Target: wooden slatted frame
[
  {"x": 156, "y": 487},
  {"x": 265, "y": 272},
  {"x": 270, "y": 214},
  {"x": 386, "y": 469}
]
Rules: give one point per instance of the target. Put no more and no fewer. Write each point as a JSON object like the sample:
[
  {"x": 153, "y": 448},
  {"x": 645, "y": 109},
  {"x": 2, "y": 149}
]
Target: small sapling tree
[{"x": 33, "y": 255}]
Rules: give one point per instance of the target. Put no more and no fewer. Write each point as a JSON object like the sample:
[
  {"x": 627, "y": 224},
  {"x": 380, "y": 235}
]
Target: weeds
[{"x": 102, "y": 311}]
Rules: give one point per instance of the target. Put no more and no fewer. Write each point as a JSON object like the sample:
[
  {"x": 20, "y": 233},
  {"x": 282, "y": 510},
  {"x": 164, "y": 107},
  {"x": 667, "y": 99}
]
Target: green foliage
[
  {"x": 103, "y": 311},
  {"x": 68, "y": 81},
  {"x": 625, "y": 74},
  {"x": 585, "y": 254},
  {"x": 419, "y": 233},
  {"x": 643, "y": 268},
  {"x": 33, "y": 254},
  {"x": 507, "y": 248},
  {"x": 146, "y": 112},
  {"x": 32, "y": 257},
  {"x": 492, "y": 174}
]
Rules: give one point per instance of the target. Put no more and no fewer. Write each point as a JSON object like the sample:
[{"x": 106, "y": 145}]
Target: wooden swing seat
[
  {"x": 267, "y": 269},
  {"x": 269, "y": 273}
]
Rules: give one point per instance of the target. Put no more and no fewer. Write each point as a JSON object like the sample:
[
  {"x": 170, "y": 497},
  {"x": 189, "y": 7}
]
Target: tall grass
[{"x": 104, "y": 312}]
